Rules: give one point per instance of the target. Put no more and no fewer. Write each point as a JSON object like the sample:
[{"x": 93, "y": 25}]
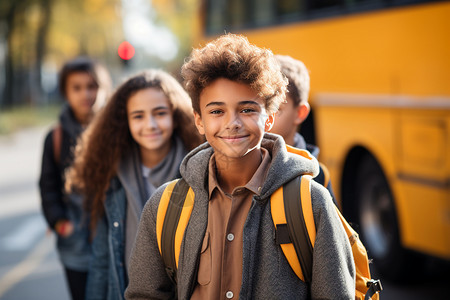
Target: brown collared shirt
[{"x": 220, "y": 269}]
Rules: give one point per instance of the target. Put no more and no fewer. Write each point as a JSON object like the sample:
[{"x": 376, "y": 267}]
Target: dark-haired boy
[
  {"x": 295, "y": 109},
  {"x": 228, "y": 249}
]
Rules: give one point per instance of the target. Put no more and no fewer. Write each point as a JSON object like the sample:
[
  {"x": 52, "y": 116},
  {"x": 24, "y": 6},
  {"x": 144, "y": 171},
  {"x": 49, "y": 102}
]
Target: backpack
[
  {"x": 295, "y": 232},
  {"x": 57, "y": 140}
]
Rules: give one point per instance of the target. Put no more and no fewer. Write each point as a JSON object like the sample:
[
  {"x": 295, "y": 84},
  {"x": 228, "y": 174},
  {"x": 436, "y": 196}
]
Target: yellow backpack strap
[
  {"x": 282, "y": 234},
  {"x": 300, "y": 152},
  {"x": 294, "y": 222},
  {"x": 365, "y": 286},
  {"x": 307, "y": 207},
  {"x": 173, "y": 215}
]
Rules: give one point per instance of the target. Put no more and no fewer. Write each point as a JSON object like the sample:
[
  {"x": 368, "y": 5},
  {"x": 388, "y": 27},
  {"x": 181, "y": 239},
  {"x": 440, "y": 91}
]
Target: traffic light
[{"x": 126, "y": 52}]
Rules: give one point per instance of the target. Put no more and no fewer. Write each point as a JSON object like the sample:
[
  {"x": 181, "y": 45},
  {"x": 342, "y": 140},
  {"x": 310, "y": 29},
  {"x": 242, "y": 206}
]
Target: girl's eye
[
  {"x": 161, "y": 113},
  {"x": 137, "y": 117}
]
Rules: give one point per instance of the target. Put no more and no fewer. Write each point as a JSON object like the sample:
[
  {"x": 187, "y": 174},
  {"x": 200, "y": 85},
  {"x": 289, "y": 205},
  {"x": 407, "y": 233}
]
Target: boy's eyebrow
[
  {"x": 218, "y": 103},
  {"x": 248, "y": 102},
  {"x": 215, "y": 103}
]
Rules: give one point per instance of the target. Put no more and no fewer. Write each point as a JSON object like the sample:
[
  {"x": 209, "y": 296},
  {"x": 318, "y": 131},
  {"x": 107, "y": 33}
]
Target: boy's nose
[
  {"x": 235, "y": 122},
  {"x": 89, "y": 94}
]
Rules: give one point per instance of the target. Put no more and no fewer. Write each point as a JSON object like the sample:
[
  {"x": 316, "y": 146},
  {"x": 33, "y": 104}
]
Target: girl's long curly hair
[{"x": 108, "y": 139}]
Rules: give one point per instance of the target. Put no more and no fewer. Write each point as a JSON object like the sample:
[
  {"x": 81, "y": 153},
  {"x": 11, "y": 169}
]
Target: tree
[{"x": 41, "y": 33}]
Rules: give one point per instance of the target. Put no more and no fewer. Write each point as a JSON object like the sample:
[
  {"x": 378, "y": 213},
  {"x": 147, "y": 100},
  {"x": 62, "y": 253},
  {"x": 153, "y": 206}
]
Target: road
[{"x": 29, "y": 266}]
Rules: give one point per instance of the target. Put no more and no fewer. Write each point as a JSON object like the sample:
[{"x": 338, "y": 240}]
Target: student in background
[
  {"x": 133, "y": 146},
  {"x": 84, "y": 85},
  {"x": 295, "y": 110},
  {"x": 228, "y": 249}
]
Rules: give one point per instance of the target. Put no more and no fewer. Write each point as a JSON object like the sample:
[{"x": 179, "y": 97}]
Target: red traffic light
[{"x": 126, "y": 51}]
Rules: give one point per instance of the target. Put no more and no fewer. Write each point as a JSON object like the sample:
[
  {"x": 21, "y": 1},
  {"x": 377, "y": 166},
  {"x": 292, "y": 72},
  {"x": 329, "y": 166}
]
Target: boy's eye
[
  {"x": 76, "y": 88},
  {"x": 248, "y": 110},
  {"x": 92, "y": 86},
  {"x": 215, "y": 112}
]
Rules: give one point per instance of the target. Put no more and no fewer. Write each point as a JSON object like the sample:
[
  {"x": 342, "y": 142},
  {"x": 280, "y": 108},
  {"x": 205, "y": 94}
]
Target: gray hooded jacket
[{"x": 266, "y": 272}]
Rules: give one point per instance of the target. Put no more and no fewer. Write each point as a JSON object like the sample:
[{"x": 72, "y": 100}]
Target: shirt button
[
  {"x": 116, "y": 224},
  {"x": 230, "y": 237},
  {"x": 229, "y": 294}
]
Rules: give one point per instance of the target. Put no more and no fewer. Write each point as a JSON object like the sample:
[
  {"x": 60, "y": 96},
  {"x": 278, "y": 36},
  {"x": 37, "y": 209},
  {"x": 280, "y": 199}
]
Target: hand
[{"x": 64, "y": 228}]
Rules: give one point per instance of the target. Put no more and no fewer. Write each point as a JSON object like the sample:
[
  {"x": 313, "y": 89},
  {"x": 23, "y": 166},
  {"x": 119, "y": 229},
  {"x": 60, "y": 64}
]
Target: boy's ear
[
  {"x": 199, "y": 123},
  {"x": 302, "y": 113},
  {"x": 269, "y": 122}
]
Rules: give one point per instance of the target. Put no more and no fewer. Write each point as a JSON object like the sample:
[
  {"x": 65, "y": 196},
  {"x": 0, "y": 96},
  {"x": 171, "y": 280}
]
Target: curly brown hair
[
  {"x": 298, "y": 77},
  {"x": 232, "y": 57},
  {"x": 108, "y": 139}
]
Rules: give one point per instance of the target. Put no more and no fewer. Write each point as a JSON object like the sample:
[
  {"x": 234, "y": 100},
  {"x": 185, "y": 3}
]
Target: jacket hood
[{"x": 283, "y": 167}]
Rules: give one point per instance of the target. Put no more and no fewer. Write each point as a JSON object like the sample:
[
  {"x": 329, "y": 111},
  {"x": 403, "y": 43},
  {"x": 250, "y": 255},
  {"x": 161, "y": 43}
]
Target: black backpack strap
[
  {"x": 374, "y": 287},
  {"x": 57, "y": 141},
  {"x": 170, "y": 225},
  {"x": 320, "y": 178},
  {"x": 297, "y": 226}
]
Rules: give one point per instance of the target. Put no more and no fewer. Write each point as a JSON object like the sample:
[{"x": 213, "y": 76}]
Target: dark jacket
[
  {"x": 300, "y": 143},
  {"x": 57, "y": 205},
  {"x": 266, "y": 272}
]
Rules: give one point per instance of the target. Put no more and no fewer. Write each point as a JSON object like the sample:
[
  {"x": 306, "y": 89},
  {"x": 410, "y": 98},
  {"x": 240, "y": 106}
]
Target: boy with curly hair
[{"x": 228, "y": 249}]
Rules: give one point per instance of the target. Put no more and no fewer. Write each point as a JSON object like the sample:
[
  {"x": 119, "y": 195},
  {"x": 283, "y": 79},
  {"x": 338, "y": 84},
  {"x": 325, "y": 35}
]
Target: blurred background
[{"x": 380, "y": 98}]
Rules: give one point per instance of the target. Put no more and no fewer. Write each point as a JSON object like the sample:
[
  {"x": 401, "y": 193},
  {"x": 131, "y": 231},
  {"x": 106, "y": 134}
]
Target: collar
[{"x": 254, "y": 185}]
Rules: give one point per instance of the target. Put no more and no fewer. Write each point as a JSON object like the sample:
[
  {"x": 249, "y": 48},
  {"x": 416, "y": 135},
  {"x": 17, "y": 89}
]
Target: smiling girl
[{"x": 136, "y": 144}]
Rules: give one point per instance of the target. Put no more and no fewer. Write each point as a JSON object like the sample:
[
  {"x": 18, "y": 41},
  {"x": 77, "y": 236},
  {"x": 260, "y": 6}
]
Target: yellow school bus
[{"x": 380, "y": 98}]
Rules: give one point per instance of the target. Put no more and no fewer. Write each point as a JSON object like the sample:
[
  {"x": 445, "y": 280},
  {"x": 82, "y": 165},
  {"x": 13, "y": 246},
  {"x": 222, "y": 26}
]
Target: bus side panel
[
  {"x": 422, "y": 209},
  {"x": 342, "y": 128},
  {"x": 423, "y": 179},
  {"x": 425, "y": 218}
]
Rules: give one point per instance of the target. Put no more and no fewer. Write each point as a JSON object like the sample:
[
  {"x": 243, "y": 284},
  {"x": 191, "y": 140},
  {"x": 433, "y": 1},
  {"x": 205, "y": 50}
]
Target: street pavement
[{"x": 29, "y": 265}]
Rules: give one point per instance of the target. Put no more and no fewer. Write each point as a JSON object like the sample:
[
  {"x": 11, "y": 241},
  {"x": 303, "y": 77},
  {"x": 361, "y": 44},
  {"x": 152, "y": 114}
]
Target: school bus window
[
  {"x": 321, "y": 4},
  {"x": 265, "y": 12},
  {"x": 215, "y": 17},
  {"x": 223, "y": 15},
  {"x": 290, "y": 7},
  {"x": 238, "y": 13}
]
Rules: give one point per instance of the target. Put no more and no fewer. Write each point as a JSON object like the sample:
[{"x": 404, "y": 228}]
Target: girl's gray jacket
[{"x": 266, "y": 272}]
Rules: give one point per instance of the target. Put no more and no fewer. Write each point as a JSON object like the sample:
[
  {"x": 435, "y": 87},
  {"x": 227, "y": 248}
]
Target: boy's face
[
  {"x": 81, "y": 93},
  {"x": 288, "y": 118},
  {"x": 233, "y": 118}
]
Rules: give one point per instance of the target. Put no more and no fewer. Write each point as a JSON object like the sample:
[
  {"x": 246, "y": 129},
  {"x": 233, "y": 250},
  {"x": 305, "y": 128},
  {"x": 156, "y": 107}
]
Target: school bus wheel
[{"x": 377, "y": 219}]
